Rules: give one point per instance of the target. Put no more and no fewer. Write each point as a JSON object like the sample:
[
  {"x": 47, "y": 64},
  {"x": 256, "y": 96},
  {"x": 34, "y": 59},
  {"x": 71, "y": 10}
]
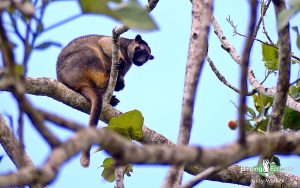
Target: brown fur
[{"x": 84, "y": 65}]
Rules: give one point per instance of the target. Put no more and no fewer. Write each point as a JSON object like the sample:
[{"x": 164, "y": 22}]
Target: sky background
[{"x": 155, "y": 88}]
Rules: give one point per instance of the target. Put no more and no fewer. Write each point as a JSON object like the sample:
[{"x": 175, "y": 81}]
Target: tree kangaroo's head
[{"x": 139, "y": 52}]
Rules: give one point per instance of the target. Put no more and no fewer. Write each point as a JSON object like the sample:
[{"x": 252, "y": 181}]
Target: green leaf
[
  {"x": 128, "y": 170},
  {"x": 134, "y": 15},
  {"x": 285, "y": 15},
  {"x": 270, "y": 56},
  {"x": 123, "y": 131},
  {"x": 98, "y": 7},
  {"x": 276, "y": 160},
  {"x": 130, "y": 12},
  {"x": 262, "y": 125},
  {"x": 108, "y": 162},
  {"x": 294, "y": 61},
  {"x": 294, "y": 91},
  {"x": 128, "y": 124},
  {"x": 260, "y": 100},
  {"x": 251, "y": 112},
  {"x": 248, "y": 126},
  {"x": 108, "y": 172},
  {"x": 291, "y": 119},
  {"x": 295, "y": 28},
  {"x": 47, "y": 44}
]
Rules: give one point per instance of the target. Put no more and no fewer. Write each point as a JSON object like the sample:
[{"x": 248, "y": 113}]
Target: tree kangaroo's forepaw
[
  {"x": 85, "y": 160},
  {"x": 114, "y": 101}
]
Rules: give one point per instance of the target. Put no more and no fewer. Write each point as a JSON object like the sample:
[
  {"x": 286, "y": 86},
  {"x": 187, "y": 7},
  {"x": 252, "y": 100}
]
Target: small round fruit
[{"x": 233, "y": 124}]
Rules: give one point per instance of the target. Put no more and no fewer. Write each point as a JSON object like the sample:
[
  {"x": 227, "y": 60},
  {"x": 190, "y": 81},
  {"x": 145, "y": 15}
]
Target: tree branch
[
  {"x": 202, "y": 176},
  {"x": 223, "y": 79},
  {"x": 17, "y": 88},
  {"x": 226, "y": 45},
  {"x": 201, "y": 13},
  {"x": 283, "y": 82},
  {"x": 56, "y": 90},
  {"x": 11, "y": 146},
  {"x": 244, "y": 72},
  {"x": 121, "y": 149}
]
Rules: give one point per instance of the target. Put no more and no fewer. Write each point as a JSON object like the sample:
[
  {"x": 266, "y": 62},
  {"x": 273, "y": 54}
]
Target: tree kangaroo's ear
[
  {"x": 151, "y": 57},
  {"x": 138, "y": 38}
]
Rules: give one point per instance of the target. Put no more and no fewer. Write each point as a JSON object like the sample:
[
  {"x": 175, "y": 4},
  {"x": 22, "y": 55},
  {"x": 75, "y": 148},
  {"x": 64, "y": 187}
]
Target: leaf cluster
[{"x": 129, "y": 125}]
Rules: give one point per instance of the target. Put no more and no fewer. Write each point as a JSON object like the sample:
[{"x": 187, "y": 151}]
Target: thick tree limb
[
  {"x": 121, "y": 149},
  {"x": 283, "y": 82},
  {"x": 201, "y": 13},
  {"x": 56, "y": 90}
]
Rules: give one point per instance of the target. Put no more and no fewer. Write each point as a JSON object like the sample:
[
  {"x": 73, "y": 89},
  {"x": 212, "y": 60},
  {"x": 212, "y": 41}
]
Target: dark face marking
[
  {"x": 141, "y": 55},
  {"x": 141, "y": 51}
]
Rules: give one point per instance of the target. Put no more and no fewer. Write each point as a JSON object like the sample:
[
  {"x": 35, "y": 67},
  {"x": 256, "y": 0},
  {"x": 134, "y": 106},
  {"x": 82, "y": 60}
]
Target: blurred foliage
[
  {"x": 284, "y": 16},
  {"x": 131, "y": 13}
]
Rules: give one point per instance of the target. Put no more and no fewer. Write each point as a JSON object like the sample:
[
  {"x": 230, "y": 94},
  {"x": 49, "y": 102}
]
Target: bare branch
[
  {"x": 61, "y": 122},
  {"x": 226, "y": 45},
  {"x": 264, "y": 8},
  {"x": 202, "y": 176},
  {"x": 223, "y": 79}
]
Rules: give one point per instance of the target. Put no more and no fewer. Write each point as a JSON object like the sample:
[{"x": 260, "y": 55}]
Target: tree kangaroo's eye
[{"x": 138, "y": 49}]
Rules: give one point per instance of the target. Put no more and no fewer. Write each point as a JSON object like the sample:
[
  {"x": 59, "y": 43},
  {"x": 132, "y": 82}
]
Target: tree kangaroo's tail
[{"x": 95, "y": 96}]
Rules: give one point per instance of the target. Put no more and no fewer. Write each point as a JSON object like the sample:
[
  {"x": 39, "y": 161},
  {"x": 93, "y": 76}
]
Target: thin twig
[
  {"x": 263, "y": 13},
  {"x": 202, "y": 176},
  {"x": 235, "y": 32},
  {"x": 223, "y": 79}
]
